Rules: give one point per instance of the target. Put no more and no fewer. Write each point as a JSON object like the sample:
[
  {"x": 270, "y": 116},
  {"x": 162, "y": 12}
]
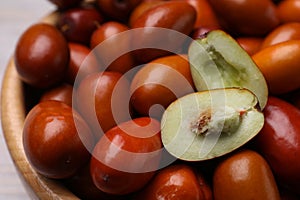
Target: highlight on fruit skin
[{"x": 211, "y": 123}]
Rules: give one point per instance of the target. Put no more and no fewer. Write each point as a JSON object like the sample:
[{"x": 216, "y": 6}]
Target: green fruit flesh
[
  {"x": 208, "y": 124},
  {"x": 218, "y": 61}
]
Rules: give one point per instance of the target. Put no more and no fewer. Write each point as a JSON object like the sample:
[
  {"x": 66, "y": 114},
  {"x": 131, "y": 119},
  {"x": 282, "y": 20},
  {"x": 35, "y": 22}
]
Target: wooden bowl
[{"x": 13, "y": 111}]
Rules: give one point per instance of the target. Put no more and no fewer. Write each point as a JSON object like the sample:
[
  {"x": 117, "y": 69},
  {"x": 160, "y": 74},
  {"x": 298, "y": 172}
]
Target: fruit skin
[
  {"x": 279, "y": 141},
  {"x": 282, "y": 33},
  {"x": 244, "y": 175},
  {"x": 82, "y": 185},
  {"x": 41, "y": 56},
  {"x": 289, "y": 11},
  {"x": 82, "y": 63},
  {"x": 103, "y": 100},
  {"x": 77, "y": 24},
  {"x": 160, "y": 82},
  {"x": 200, "y": 32},
  {"x": 178, "y": 16},
  {"x": 117, "y": 167},
  {"x": 119, "y": 10},
  {"x": 112, "y": 52},
  {"x": 250, "y": 44},
  {"x": 54, "y": 146},
  {"x": 249, "y": 17},
  {"x": 177, "y": 181},
  {"x": 141, "y": 8},
  {"x": 280, "y": 65},
  {"x": 205, "y": 14},
  {"x": 61, "y": 93}
]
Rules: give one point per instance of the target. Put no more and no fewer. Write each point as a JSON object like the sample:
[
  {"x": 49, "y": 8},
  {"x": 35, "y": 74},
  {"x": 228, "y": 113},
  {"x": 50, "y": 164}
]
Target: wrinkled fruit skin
[
  {"x": 279, "y": 141},
  {"x": 55, "y": 146},
  {"x": 242, "y": 173},
  {"x": 42, "y": 56},
  {"x": 127, "y": 156}
]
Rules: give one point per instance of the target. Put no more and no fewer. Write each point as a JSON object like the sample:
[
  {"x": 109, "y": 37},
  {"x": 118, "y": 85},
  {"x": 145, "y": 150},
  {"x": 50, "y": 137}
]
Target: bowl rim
[{"x": 12, "y": 121}]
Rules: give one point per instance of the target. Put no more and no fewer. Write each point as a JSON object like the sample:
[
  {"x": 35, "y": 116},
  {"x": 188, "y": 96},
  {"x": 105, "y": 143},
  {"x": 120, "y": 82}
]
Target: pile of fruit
[{"x": 165, "y": 99}]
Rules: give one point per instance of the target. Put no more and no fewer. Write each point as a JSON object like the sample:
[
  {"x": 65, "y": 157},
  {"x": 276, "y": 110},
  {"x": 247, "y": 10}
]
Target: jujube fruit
[
  {"x": 248, "y": 17},
  {"x": 56, "y": 139},
  {"x": 77, "y": 24},
  {"x": 244, "y": 175},
  {"x": 127, "y": 156},
  {"x": 279, "y": 142},
  {"x": 41, "y": 56},
  {"x": 103, "y": 100}
]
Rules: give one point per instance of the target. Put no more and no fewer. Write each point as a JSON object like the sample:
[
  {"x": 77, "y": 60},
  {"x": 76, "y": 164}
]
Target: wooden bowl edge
[{"x": 12, "y": 119}]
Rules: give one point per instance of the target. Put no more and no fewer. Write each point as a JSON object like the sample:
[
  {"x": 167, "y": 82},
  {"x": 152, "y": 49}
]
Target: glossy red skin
[
  {"x": 113, "y": 56},
  {"x": 289, "y": 11},
  {"x": 250, "y": 44},
  {"x": 279, "y": 141},
  {"x": 82, "y": 185},
  {"x": 82, "y": 63},
  {"x": 174, "y": 15},
  {"x": 61, "y": 93},
  {"x": 141, "y": 8},
  {"x": 282, "y": 33},
  {"x": 51, "y": 140},
  {"x": 94, "y": 100},
  {"x": 248, "y": 17},
  {"x": 244, "y": 175},
  {"x": 160, "y": 82},
  {"x": 41, "y": 56},
  {"x": 116, "y": 9},
  {"x": 279, "y": 64},
  {"x": 77, "y": 24},
  {"x": 140, "y": 135},
  {"x": 205, "y": 14},
  {"x": 178, "y": 181}
]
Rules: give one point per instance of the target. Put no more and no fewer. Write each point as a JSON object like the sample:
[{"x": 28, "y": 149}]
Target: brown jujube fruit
[
  {"x": 242, "y": 173},
  {"x": 61, "y": 93},
  {"x": 56, "y": 139},
  {"x": 77, "y": 24},
  {"x": 41, "y": 56}
]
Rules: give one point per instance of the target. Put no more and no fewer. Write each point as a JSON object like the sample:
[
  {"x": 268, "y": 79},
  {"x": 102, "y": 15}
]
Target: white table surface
[{"x": 15, "y": 17}]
